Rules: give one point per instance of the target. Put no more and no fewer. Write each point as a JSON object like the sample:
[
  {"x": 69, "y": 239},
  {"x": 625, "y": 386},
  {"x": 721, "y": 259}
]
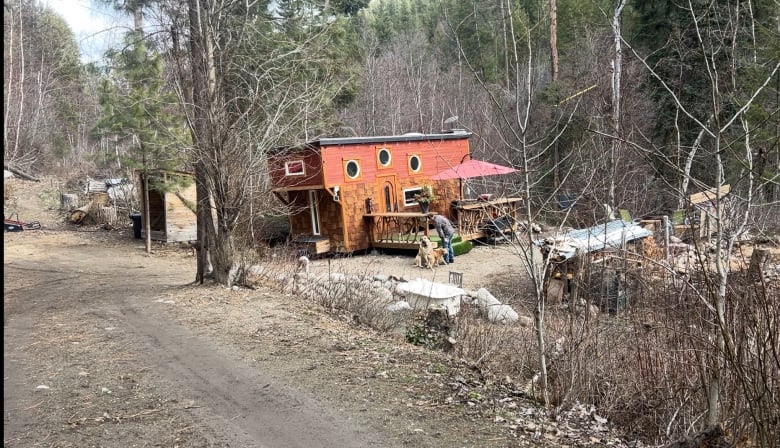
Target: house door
[{"x": 388, "y": 201}]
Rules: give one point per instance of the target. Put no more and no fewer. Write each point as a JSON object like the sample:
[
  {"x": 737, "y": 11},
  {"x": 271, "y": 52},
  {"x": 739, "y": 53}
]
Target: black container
[{"x": 136, "y": 217}]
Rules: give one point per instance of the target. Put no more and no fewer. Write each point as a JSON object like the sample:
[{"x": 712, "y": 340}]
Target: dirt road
[
  {"x": 106, "y": 346},
  {"x": 153, "y": 381}
]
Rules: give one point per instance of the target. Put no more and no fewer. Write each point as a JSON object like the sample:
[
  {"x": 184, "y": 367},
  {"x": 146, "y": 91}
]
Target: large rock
[
  {"x": 502, "y": 314},
  {"x": 485, "y": 298}
]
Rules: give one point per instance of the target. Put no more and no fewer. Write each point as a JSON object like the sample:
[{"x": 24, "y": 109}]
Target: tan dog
[
  {"x": 424, "y": 254},
  {"x": 439, "y": 256}
]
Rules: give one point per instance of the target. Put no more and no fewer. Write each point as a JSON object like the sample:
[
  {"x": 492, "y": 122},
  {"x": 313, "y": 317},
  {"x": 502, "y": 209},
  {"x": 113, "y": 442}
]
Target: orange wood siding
[
  {"x": 330, "y": 221},
  {"x": 300, "y": 220},
  {"x": 354, "y": 207},
  {"x": 436, "y": 155}
]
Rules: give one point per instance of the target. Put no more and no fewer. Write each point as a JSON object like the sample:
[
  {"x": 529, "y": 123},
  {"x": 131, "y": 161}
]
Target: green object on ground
[{"x": 462, "y": 247}]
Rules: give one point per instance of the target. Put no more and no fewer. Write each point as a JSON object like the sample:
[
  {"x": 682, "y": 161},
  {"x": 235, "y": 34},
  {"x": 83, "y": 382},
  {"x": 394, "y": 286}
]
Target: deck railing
[
  {"x": 471, "y": 216},
  {"x": 397, "y": 229}
]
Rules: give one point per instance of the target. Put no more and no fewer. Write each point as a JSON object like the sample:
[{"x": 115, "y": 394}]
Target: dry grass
[
  {"x": 647, "y": 367},
  {"x": 644, "y": 365}
]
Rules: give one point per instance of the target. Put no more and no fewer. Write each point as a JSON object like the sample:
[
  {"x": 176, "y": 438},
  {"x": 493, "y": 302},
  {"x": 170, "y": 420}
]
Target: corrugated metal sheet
[{"x": 613, "y": 234}]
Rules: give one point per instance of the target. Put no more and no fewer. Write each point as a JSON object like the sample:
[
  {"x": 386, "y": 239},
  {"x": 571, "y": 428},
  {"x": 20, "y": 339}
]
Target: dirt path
[
  {"x": 92, "y": 355},
  {"x": 106, "y": 346}
]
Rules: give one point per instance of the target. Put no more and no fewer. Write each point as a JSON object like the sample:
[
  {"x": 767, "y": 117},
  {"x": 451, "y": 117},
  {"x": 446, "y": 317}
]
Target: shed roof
[{"x": 611, "y": 234}]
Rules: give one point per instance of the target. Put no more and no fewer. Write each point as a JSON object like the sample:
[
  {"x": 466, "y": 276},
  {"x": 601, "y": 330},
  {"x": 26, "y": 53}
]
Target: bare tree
[
  {"x": 617, "y": 67},
  {"x": 715, "y": 134},
  {"x": 252, "y": 91}
]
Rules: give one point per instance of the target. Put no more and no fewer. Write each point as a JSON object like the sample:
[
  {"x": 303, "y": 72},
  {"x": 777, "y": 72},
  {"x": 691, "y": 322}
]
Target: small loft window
[
  {"x": 294, "y": 168},
  {"x": 352, "y": 169},
  {"x": 415, "y": 163},
  {"x": 384, "y": 158}
]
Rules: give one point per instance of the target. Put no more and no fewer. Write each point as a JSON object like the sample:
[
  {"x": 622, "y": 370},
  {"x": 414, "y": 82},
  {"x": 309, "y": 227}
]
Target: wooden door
[{"x": 388, "y": 194}]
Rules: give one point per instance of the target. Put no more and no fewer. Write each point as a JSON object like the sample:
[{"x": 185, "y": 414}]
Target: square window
[
  {"x": 294, "y": 168},
  {"x": 409, "y": 195}
]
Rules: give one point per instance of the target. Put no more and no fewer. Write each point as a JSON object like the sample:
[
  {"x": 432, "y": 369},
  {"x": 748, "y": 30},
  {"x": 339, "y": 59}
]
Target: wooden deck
[{"x": 397, "y": 230}]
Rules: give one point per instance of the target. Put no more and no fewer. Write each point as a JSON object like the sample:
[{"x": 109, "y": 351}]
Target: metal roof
[
  {"x": 609, "y": 235},
  {"x": 413, "y": 136}
]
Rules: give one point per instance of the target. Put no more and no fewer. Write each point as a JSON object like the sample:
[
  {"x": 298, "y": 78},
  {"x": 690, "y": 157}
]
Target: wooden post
[
  {"x": 757, "y": 262},
  {"x": 667, "y": 228}
]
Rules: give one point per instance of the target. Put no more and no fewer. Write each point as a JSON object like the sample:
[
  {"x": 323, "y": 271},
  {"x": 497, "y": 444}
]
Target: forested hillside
[{"x": 611, "y": 105}]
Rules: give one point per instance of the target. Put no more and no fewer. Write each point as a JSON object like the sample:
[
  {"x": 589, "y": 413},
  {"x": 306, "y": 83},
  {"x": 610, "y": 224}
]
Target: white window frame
[
  {"x": 409, "y": 196},
  {"x": 409, "y": 163},
  {"x": 287, "y": 165},
  {"x": 359, "y": 169},
  {"x": 389, "y": 157}
]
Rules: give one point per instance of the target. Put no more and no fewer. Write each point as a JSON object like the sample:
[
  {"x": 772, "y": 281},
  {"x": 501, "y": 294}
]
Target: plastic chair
[
  {"x": 456, "y": 278},
  {"x": 678, "y": 217}
]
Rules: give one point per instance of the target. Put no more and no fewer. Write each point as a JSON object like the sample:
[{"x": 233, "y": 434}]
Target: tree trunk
[
  {"x": 21, "y": 173},
  {"x": 79, "y": 215},
  {"x": 617, "y": 65},
  {"x": 224, "y": 266},
  {"x": 554, "y": 38},
  {"x": 199, "y": 97},
  {"x": 757, "y": 262}
]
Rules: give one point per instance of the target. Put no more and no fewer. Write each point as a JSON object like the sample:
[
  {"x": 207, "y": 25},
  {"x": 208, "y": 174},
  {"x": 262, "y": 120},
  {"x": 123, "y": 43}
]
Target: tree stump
[
  {"x": 757, "y": 262},
  {"x": 107, "y": 216},
  {"x": 69, "y": 201}
]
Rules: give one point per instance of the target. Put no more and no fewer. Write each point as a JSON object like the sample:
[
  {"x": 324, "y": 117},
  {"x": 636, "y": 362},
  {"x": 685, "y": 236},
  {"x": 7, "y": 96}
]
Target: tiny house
[
  {"x": 172, "y": 205},
  {"x": 356, "y": 193}
]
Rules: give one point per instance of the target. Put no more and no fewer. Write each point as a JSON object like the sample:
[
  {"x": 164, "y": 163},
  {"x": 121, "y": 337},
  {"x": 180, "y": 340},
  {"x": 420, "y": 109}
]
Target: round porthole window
[
  {"x": 384, "y": 157},
  {"x": 353, "y": 169},
  {"x": 414, "y": 163}
]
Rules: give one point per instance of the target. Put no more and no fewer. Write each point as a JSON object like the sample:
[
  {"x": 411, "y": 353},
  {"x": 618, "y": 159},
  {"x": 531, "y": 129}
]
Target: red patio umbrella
[{"x": 472, "y": 168}]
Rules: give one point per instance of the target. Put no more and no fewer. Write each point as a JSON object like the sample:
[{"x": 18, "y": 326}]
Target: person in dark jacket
[{"x": 446, "y": 231}]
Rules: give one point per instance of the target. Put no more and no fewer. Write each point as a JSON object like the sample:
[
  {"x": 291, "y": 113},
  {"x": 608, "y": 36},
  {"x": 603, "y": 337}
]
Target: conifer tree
[{"x": 141, "y": 114}]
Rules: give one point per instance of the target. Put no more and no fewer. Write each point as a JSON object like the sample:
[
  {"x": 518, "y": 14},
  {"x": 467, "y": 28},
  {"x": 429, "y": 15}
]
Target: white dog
[
  {"x": 425, "y": 254},
  {"x": 303, "y": 264}
]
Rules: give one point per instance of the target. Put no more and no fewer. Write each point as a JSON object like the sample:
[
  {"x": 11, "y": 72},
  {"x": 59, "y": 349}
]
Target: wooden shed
[
  {"x": 698, "y": 220},
  {"x": 356, "y": 193},
  {"x": 172, "y": 205}
]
